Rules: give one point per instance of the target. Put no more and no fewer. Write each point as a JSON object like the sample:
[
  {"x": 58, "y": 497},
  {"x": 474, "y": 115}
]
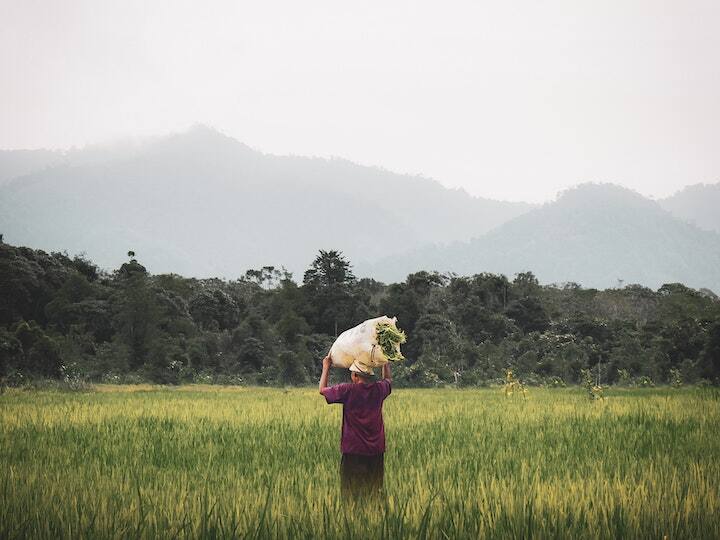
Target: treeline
[{"x": 63, "y": 318}]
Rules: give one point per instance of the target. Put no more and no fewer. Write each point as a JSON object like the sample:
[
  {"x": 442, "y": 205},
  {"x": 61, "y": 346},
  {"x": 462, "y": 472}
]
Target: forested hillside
[
  {"x": 203, "y": 204},
  {"x": 698, "y": 204},
  {"x": 598, "y": 235},
  {"x": 17, "y": 163},
  {"x": 61, "y": 317}
]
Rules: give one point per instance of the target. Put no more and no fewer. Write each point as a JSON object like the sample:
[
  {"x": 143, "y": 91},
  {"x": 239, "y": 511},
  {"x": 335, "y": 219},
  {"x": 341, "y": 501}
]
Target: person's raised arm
[
  {"x": 386, "y": 372},
  {"x": 327, "y": 362}
]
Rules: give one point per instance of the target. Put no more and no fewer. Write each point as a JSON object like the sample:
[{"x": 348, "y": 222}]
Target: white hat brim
[{"x": 357, "y": 369}]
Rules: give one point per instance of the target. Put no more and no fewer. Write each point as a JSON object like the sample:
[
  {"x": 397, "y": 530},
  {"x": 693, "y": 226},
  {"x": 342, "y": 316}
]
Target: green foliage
[
  {"x": 329, "y": 269},
  {"x": 136, "y": 316},
  {"x": 265, "y": 328},
  {"x": 676, "y": 379},
  {"x": 28, "y": 281},
  {"x": 268, "y": 277},
  {"x": 416, "y": 375},
  {"x": 594, "y": 391},
  {"x": 529, "y": 314},
  {"x": 292, "y": 327},
  {"x": 214, "y": 309},
  {"x": 526, "y": 284},
  {"x": 710, "y": 356},
  {"x": 390, "y": 338},
  {"x": 251, "y": 355},
  {"x": 513, "y": 386},
  {"x": 333, "y": 301},
  {"x": 291, "y": 369}
]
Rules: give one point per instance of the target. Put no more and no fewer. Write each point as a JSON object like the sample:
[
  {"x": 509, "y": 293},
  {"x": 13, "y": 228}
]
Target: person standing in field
[{"x": 362, "y": 440}]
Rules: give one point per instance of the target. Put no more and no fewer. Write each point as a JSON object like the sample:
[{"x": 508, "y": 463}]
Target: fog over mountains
[
  {"x": 698, "y": 204},
  {"x": 203, "y": 204},
  {"x": 599, "y": 235}
]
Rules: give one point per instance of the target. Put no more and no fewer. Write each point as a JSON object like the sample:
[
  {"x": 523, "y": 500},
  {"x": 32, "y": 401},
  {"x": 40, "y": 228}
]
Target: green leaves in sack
[{"x": 389, "y": 338}]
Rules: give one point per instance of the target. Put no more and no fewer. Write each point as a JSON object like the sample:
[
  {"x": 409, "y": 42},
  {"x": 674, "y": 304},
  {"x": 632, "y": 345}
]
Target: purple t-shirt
[{"x": 363, "y": 431}]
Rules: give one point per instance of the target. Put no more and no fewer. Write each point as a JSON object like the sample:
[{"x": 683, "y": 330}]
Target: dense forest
[{"x": 63, "y": 318}]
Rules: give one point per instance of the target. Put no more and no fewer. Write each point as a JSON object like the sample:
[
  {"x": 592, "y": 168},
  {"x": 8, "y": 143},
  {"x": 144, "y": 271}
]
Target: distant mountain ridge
[
  {"x": 698, "y": 204},
  {"x": 595, "y": 234},
  {"x": 203, "y": 204},
  {"x": 15, "y": 163}
]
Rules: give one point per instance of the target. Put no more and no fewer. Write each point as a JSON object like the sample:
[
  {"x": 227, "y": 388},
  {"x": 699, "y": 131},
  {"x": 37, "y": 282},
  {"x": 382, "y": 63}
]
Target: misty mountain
[
  {"x": 594, "y": 234},
  {"x": 203, "y": 204},
  {"x": 698, "y": 204},
  {"x": 14, "y": 163}
]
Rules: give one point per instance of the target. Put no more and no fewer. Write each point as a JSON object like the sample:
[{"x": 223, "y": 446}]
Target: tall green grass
[{"x": 188, "y": 462}]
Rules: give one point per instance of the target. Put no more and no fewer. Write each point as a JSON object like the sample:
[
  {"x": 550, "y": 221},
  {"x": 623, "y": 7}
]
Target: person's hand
[{"x": 327, "y": 362}]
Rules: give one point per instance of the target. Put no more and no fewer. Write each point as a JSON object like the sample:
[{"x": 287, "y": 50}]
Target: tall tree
[
  {"x": 329, "y": 269},
  {"x": 333, "y": 299},
  {"x": 136, "y": 311}
]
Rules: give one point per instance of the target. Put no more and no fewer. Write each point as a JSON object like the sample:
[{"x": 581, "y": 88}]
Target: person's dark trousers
[{"x": 362, "y": 476}]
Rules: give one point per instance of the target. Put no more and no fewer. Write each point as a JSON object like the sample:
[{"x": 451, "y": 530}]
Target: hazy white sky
[{"x": 511, "y": 100}]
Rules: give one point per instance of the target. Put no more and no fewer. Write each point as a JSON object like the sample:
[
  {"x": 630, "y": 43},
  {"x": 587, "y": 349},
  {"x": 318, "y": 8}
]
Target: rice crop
[{"x": 224, "y": 462}]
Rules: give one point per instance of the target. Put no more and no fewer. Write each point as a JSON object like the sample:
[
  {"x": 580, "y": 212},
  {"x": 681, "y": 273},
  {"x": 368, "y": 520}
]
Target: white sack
[{"x": 357, "y": 344}]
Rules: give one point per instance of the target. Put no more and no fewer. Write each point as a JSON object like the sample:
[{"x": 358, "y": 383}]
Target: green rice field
[{"x": 225, "y": 462}]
